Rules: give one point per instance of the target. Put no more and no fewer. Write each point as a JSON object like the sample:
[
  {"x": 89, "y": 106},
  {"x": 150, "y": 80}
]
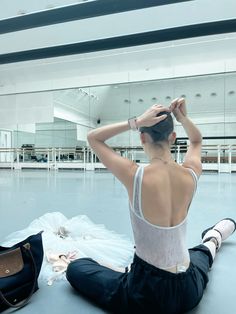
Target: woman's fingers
[
  {"x": 174, "y": 101},
  {"x": 160, "y": 108},
  {"x": 173, "y": 106},
  {"x": 160, "y": 118},
  {"x": 157, "y": 106},
  {"x": 181, "y": 101},
  {"x": 163, "y": 109},
  {"x": 177, "y": 103}
]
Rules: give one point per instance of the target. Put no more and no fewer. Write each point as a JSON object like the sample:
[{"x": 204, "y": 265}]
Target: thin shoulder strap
[
  {"x": 195, "y": 178},
  {"x": 137, "y": 189}
]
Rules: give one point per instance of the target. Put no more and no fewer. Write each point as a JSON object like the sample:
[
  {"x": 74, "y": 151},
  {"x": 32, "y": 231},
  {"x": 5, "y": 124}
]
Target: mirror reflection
[{"x": 63, "y": 142}]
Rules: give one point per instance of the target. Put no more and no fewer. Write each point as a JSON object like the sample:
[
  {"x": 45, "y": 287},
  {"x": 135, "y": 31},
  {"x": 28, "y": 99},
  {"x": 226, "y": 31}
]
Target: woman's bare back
[{"x": 167, "y": 191}]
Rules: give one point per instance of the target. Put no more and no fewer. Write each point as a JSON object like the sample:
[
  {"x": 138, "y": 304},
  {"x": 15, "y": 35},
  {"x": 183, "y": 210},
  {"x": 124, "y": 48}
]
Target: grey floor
[{"x": 26, "y": 195}]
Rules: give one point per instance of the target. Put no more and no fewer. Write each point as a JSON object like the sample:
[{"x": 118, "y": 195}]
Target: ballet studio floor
[{"x": 26, "y": 195}]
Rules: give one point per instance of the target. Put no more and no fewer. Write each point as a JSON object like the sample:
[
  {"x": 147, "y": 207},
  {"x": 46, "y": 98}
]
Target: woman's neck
[{"x": 159, "y": 152}]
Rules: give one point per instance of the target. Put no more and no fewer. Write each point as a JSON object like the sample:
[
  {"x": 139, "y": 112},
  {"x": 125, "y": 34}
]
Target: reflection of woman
[{"x": 165, "y": 277}]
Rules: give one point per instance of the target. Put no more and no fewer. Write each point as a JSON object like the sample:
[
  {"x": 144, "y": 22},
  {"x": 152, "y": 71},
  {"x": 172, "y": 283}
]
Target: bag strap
[{"x": 26, "y": 247}]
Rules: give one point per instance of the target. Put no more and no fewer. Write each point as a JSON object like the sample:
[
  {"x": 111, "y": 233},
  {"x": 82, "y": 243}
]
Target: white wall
[
  {"x": 83, "y": 123},
  {"x": 26, "y": 108},
  {"x": 57, "y": 134}
]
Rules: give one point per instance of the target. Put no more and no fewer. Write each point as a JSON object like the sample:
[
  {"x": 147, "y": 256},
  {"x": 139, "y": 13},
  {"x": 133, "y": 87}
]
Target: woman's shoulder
[{"x": 192, "y": 171}]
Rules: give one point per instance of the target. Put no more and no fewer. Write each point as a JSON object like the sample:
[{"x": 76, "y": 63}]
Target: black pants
[{"x": 145, "y": 288}]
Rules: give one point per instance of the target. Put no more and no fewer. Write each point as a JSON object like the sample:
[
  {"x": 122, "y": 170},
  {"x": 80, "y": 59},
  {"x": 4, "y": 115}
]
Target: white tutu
[{"x": 78, "y": 234}]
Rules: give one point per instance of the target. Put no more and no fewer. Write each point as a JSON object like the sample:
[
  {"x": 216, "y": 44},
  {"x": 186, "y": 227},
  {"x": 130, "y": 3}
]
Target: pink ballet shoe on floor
[{"x": 220, "y": 231}]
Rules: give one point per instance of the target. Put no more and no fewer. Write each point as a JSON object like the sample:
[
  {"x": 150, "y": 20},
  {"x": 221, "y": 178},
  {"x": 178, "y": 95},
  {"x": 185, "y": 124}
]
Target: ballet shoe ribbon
[{"x": 59, "y": 263}]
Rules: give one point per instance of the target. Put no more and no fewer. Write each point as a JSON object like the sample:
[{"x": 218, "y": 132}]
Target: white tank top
[{"x": 163, "y": 247}]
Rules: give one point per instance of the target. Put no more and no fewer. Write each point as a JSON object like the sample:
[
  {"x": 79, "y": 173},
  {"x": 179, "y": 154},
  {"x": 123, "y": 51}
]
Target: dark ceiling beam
[
  {"x": 77, "y": 11},
  {"x": 158, "y": 36}
]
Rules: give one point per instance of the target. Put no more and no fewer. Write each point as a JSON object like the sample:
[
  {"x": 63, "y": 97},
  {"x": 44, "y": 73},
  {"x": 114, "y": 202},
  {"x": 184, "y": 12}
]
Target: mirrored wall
[{"x": 211, "y": 104}]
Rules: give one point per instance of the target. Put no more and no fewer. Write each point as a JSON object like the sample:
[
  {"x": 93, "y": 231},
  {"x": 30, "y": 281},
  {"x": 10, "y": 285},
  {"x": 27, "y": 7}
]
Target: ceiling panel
[
  {"x": 150, "y": 57},
  {"x": 15, "y": 7},
  {"x": 131, "y": 22}
]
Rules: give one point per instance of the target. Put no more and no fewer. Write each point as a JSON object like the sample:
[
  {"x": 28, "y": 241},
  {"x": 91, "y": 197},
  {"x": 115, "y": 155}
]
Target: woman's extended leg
[
  {"x": 213, "y": 237},
  {"x": 202, "y": 257}
]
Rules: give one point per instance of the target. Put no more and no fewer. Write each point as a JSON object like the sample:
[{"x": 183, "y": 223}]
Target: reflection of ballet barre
[
  {"x": 214, "y": 159},
  {"x": 211, "y": 160},
  {"x": 210, "y": 154}
]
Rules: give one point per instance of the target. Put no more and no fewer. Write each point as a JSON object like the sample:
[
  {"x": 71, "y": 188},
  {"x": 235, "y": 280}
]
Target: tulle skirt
[{"x": 78, "y": 234}]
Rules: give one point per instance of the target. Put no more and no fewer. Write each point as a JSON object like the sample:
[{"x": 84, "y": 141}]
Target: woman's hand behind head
[
  {"x": 150, "y": 118},
  {"x": 178, "y": 107}
]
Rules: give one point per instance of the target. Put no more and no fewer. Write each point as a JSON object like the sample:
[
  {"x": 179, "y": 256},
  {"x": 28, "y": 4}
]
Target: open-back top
[{"x": 163, "y": 247}]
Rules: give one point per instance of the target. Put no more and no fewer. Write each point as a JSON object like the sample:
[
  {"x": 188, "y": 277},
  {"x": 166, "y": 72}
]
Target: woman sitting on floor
[{"x": 165, "y": 277}]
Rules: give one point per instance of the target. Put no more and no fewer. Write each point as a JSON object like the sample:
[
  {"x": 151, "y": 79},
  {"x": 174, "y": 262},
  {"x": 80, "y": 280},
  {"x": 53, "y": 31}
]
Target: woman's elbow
[
  {"x": 90, "y": 135},
  {"x": 91, "y": 138}
]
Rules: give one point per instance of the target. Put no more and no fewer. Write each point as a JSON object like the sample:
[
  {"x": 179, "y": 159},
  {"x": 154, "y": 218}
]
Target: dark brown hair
[{"x": 160, "y": 131}]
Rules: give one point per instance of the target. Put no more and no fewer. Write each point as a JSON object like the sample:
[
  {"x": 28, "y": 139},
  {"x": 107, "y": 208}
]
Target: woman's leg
[
  {"x": 211, "y": 245},
  {"x": 97, "y": 282},
  {"x": 202, "y": 257},
  {"x": 213, "y": 237}
]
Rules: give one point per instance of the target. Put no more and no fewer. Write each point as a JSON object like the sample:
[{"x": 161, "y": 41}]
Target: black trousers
[{"x": 145, "y": 288}]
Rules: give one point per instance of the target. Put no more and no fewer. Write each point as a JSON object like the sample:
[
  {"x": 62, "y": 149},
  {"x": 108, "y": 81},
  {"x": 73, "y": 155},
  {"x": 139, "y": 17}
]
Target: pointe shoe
[
  {"x": 52, "y": 257},
  {"x": 59, "y": 266},
  {"x": 220, "y": 231}
]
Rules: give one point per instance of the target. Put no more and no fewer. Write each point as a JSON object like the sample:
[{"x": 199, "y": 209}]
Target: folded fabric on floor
[{"x": 78, "y": 234}]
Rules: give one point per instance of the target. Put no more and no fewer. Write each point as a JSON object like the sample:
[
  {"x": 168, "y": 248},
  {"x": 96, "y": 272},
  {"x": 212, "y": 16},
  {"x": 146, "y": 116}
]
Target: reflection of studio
[
  {"x": 65, "y": 141},
  {"x": 81, "y": 85}
]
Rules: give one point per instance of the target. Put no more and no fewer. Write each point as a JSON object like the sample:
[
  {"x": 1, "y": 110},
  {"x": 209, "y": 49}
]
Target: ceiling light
[
  {"x": 154, "y": 99},
  {"x": 183, "y": 96},
  {"x": 140, "y": 100},
  {"x": 213, "y": 94},
  {"x": 21, "y": 12},
  {"x": 168, "y": 97},
  {"x": 84, "y": 92},
  {"x": 231, "y": 92},
  {"x": 198, "y": 95},
  {"x": 50, "y": 6},
  {"x": 127, "y": 101}
]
